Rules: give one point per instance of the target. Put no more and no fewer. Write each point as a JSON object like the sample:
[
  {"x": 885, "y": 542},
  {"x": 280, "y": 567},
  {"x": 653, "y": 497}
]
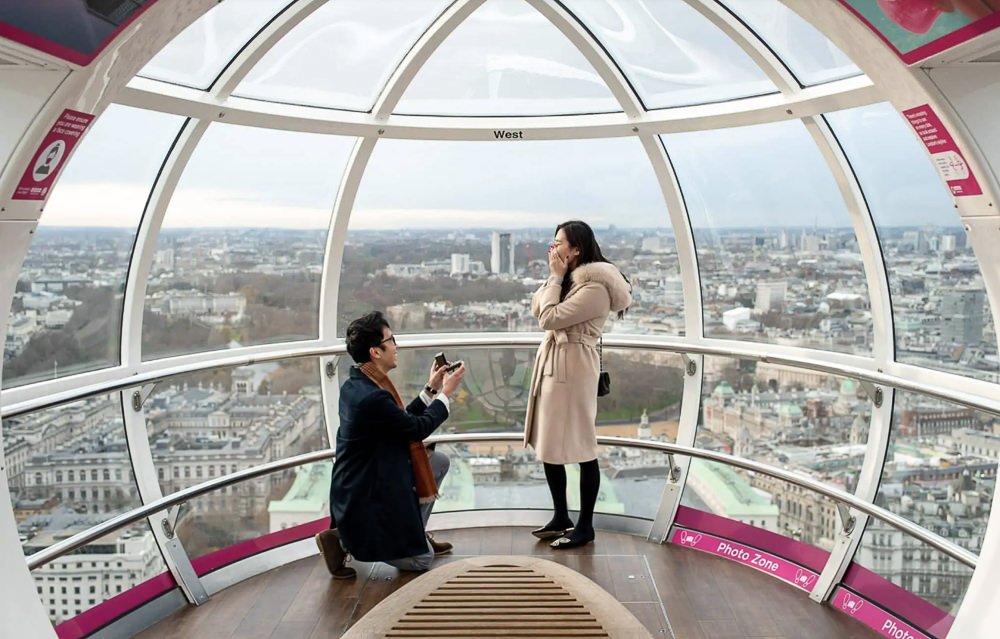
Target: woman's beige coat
[{"x": 562, "y": 404}]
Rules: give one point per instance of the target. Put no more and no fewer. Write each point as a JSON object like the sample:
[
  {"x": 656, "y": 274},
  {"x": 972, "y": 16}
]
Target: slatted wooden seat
[{"x": 499, "y": 596}]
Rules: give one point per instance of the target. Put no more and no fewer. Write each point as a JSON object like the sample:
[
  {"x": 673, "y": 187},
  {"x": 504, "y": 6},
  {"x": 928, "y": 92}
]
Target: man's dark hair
[{"x": 364, "y": 334}]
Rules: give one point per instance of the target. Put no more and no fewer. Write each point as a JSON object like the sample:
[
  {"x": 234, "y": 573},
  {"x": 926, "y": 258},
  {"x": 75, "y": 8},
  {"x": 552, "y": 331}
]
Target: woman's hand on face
[
  {"x": 436, "y": 376},
  {"x": 557, "y": 265}
]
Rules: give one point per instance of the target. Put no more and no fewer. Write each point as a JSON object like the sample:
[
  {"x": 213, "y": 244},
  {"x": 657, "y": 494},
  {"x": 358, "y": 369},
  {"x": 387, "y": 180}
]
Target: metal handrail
[
  {"x": 931, "y": 539},
  {"x": 978, "y": 401},
  {"x": 78, "y": 540}
]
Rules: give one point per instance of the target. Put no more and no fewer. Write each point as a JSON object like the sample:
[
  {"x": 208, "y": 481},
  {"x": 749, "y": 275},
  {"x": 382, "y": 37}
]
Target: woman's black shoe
[
  {"x": 573, "y": 540},
  {"x": 552, "y": 530}
]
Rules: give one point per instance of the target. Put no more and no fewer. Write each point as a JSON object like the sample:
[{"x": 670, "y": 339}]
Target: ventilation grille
[{"x": 498, "y": 600}]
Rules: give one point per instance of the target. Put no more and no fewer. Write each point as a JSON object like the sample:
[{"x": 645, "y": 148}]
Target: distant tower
[
  {"x": 242, "y": 382},
  {"x": 644, "y": 430},
  {"x": 502, "y": 254},
  {"x": 962, "y": 315},
  {"x": 743, "y": 443},
  {"x": 859, "y": 430},
  {"x": 459, "y": 263}
]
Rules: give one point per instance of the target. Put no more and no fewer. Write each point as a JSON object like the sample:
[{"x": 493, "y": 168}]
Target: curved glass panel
[
  {"x": 940, "y": 473},
  {"x": 779, "y": 259},
  {"x": 239, "y": 258},
  {"x": 342, "y": 55},
  {"x": 66, "y": 315},
  {"x": 807, "y": 52},
  {"x": 69, "y": 469},
  {"x": 940, "y": 309},
  {"x": 101, "y": 570},
  {"x": 506, "y": 59},
  {"x": 454, "y": 235},
  {"x": 645, "y": 402},
  {"x": 197, "y": 55},
  {"x": 215, "y": 423},
  {"x": 258, "y": 509},
  {"x": 791, "y": 418},
  {"x": 671, "y": 54}
]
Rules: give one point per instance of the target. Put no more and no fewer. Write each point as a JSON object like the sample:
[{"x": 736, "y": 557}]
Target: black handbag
[{"x": 604, "y": 379}]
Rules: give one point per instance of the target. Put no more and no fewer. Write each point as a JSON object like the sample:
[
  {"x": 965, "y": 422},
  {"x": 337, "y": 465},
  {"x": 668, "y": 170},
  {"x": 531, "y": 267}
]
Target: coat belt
[{"x": 554, "y": 358}]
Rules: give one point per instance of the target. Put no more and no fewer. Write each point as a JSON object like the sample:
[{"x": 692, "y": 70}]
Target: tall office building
[
  {"x": 962, "y": 315},
  {"x": 770, "y": 296},
  {"x": 502, "y": 254},
  {"x": 459, "y": 263}
]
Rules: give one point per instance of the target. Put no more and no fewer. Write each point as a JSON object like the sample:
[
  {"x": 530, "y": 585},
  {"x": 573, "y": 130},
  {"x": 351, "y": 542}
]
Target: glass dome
[{"x": 814, "y": 273}]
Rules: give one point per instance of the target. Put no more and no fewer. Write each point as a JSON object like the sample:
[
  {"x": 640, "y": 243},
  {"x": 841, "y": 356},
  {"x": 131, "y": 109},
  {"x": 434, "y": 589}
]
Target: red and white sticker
[
  {"x": 41, "y": 172},
  {"x": 948, "y": 160}
]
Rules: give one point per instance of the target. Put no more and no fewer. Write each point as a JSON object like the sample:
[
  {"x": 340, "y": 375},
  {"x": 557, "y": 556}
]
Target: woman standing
[{"x": 571, "y": 307}]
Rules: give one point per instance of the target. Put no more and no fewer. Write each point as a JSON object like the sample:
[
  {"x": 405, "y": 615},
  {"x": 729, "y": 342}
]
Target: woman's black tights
[{"x": 590, "y": 484}]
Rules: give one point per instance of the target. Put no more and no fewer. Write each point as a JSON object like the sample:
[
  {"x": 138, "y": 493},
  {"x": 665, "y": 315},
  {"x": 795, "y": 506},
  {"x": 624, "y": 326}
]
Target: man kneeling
[{"x": 384, "y": 479}]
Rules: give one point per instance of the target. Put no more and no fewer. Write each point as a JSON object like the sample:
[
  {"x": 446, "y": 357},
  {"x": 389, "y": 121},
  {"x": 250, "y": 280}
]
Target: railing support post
[{"x": 687, "y": 428}]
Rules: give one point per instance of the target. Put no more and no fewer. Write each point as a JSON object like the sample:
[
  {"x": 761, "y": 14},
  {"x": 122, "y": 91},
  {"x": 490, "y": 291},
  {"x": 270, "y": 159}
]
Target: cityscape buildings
[{"x": 72, "y": 462}]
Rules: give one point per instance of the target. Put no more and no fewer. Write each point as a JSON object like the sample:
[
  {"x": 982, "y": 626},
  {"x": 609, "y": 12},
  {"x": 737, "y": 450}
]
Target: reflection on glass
[
  {"x": 806, "y": 421},
  {"x": 342, "y": 55},
  {"x": 210, "y": 424},
  {"x": 941, "y": 313},
  {"x": 506, "y": 59},
  {"x": 197, "y": 55},
  {"x": 238, "y": 261},
  {"x": 779, "y": 259},
  {"x": 940, "y": 473},
  {"x": 66, "y": 314},
  {"x": 671, "y": 54},
  {"x": 811, "y": 57},
  {"x": 494, "y": 209},
  {"x": 69, "y": 469}
]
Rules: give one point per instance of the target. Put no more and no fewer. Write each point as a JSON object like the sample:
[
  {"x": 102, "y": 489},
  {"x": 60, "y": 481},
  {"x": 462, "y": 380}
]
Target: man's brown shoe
[
  {"x": 439, "y": 547},
  {"x": 334, "y": 554}
]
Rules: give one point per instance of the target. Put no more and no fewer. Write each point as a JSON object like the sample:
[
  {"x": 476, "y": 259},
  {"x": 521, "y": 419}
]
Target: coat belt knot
[{"x": 554, "y": 358}]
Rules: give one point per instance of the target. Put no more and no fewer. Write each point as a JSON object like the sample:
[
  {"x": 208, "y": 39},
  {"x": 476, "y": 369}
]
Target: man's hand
[
  {"x": 452, "y": 380},
  {"x": 436, "y": 376}
]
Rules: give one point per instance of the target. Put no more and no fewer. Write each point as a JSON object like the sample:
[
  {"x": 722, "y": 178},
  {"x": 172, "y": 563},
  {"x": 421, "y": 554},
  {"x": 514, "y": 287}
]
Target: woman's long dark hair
[{"x": 581, "y": 236}]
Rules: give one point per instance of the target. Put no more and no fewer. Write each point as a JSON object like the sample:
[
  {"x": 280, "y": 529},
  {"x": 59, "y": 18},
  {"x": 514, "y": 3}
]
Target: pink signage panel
[
  {"x": 918, "y": 29},
  {"x": 747, "y": 555},
  {"x": 874, "y": 617},
  {"x": 791, "y": 549},
  {"x": 74, "y": 30},
  {"x": 948, "y": 160},
  {"x": 41, "y": 172}
]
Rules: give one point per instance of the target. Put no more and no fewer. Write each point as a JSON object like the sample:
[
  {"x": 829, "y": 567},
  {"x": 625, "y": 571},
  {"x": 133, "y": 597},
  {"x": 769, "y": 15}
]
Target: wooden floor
[{"x": 676, "y": 592}]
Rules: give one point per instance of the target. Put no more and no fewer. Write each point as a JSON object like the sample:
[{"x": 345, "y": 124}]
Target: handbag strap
[{"x": 600, "y": 350}]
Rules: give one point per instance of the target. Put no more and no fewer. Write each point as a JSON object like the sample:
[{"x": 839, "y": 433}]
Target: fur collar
[{"x": 609, "y": 276}]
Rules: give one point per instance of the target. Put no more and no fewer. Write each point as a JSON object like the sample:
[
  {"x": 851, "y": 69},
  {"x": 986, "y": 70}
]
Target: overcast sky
[
  {"x": 766, "y": 175},
  {"x": 504, "y": 58}
]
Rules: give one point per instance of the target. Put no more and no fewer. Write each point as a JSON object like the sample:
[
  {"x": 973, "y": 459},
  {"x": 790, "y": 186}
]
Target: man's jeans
[{"x": 439, "y": 466}]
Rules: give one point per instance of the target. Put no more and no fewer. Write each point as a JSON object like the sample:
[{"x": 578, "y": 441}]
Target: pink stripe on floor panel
[
  {"x": 897, "y": 600},
  {"x": 802, "y": 554},
  {"x": 105, "y": 612},
  {"x": 231, "y": 554}
]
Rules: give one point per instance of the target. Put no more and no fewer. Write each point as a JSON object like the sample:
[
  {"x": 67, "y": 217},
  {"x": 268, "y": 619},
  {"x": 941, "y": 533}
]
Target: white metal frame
[
  {"x": 892, "y": 81},
  {"x": 883, "y": 350},
  {"x": 154, "y": 95}
]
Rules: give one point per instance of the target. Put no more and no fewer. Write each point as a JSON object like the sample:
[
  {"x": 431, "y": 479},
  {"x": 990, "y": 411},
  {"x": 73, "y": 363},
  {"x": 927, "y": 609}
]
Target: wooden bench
[{"x": 499, "y": 596}]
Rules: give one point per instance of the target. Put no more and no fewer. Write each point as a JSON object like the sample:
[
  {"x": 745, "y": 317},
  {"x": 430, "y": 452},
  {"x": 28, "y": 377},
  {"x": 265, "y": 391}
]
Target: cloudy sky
[{"x": 504, "y": 59}]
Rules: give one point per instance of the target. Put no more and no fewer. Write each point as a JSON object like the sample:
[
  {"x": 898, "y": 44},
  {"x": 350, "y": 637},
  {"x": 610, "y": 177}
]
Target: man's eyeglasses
[{"x": 391, "y": 338}]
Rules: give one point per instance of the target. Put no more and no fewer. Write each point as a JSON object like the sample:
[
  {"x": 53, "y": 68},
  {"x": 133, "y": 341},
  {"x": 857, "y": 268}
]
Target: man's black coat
[{"x": 373, "y": 496}]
